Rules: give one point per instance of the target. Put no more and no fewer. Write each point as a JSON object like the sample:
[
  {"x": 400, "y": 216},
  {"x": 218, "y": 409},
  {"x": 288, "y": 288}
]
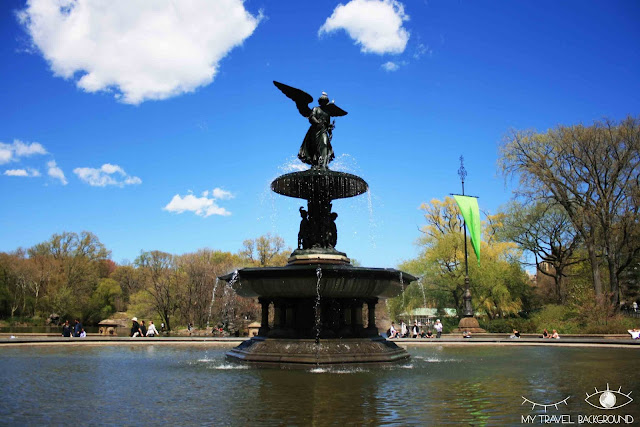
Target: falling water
[
  {"x": 317, "y": 307},
  {"x": 225, "y": 299},
  {"x": 424, "y": 296},
  {"x": 372, "y": 222},
  {"x": 213, "y": 298},
  {"x": 402, "y": 287}
]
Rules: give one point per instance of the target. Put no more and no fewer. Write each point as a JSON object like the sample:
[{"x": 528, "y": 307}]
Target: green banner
[{"x": 471, "y": 214}]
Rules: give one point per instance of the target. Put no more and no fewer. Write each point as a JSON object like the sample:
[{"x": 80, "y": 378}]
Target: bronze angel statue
[{"x": 316, "y": 147}]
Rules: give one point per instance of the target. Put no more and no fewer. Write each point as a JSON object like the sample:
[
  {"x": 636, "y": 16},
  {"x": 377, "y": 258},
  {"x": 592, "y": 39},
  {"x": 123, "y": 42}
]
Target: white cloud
[
  {"x": 12, "y": 152},
  {"x": 422, "y": 50},
  {"x": 202, "y": 206},
  {"x": 141, "y": 49},
  {"x": 375, "y": 25},
  {"x": 55, "y": 172},
  {"x": 28, "y": 172},
  {"x": 5, "y": 154},
  {"x": 390, "y": 66},
  {"x": 132, "y": 180},
  {"x": 219, "y": 193},
  {"x": 107, "y": 174}
]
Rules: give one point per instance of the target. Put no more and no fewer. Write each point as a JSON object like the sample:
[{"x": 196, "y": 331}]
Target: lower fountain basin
[
  {"x": 301, "y": 281},
  {"x": 267, "y": 351}
]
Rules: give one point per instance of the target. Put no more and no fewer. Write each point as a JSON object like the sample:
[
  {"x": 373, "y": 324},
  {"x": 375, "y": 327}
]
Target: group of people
[
  {"x": 76, "y": 330},
  {"x": 415, "y": 331},
  {"x": 554, "y": 335},
  {"x": 141, "y": 330}
]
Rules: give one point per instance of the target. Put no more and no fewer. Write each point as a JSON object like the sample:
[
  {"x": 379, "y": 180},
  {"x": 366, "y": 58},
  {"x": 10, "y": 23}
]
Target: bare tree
[
  {"x": 162, "y": 278},
  {"x": 547, "y": 233},
  {"x": 265, "y": 251}
]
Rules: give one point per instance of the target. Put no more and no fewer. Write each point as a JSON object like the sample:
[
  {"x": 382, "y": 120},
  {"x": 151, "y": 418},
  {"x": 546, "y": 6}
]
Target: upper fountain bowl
[
  {"x": 301, "y": 281},
  {"x": 319, "y": 184}
]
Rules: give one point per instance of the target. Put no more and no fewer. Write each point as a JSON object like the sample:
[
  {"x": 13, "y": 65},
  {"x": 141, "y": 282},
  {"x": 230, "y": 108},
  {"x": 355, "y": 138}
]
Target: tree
[
  {"x": 546, "y": 232},
  {"x": 161, "y": 282},
  {"x": 265, "y": 251},
  {"x": 76, "y": 259},
  {"x": 592, "y": 172},
  {"x": 104, "y": 300},
  {"x": 45, "y": 266},
  {"x": 129, "y": 279},
  {"x": 202, "y": 269},
  {"x": 498, "y": 285}
]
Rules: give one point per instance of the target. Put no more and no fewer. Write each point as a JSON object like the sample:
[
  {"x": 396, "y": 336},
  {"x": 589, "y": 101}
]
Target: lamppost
[
  {"x": 466, "y": 298},
  {"x": 468, "y": 322}
]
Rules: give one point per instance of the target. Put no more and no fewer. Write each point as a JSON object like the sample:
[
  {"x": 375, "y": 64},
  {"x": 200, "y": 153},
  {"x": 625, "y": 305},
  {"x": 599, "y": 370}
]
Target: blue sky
[{"x": 112, "y": 113}]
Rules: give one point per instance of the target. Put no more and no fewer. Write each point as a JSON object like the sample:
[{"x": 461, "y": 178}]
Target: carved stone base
[
  {"x": 470, "y": 324},
  {"x": 318, "y": 256},
  {"x": 270, "y": 351}
]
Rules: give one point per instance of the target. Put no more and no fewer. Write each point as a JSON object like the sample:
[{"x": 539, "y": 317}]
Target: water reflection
[{"x": 186, "y": 385}]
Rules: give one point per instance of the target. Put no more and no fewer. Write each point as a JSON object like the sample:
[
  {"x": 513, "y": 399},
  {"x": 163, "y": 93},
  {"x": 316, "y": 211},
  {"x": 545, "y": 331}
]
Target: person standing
[
  {"x": 438, "y": 328},
  {"x": 152, "y": 331},
  {"x": 66, "y": 329},
  {"x": 77, "y": 328}
]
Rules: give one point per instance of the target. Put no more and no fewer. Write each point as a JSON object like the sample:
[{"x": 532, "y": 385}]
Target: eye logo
[
  {"x": 607, "y": 399},
  {"x": 544, "y": 406}
]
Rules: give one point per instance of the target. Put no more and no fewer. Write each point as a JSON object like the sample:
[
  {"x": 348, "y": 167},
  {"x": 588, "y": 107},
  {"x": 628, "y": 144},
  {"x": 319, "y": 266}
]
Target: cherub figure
[
  {"x": 316, "y": 147},
  {"x": 303, "y": 234}
]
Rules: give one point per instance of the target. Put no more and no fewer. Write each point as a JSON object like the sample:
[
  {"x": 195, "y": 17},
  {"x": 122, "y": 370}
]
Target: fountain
[{"x": 318, "y": 298}]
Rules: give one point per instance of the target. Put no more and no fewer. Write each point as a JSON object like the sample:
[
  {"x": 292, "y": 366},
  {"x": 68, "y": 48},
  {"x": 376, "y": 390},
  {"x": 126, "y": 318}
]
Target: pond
[{"x": 155, "y": 384}]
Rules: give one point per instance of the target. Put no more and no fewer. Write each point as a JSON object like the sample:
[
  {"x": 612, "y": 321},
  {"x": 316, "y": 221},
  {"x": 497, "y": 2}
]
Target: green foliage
[
  {"x": 563, "y": 318},
  {"x": 141, "y": 306},
  {"x": 498, "y": 285},
  {"x": 449, "y": 324},
  {"x": 104, "y": 300}
]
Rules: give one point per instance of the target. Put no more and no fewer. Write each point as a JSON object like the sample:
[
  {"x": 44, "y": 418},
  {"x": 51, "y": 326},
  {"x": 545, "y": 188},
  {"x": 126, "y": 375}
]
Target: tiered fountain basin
[
  {"x": 337, "y": 281},
  {"x": 319, "y": 184},
  {"x": 317, "y": 313}
]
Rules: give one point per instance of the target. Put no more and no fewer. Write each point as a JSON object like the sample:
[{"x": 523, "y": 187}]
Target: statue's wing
[
  {"x": 300, "y": 97},
  {"x": 333, "y": 110}
]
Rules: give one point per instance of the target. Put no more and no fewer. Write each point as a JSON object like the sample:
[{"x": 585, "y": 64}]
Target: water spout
[
  {"x": 424, "y": 297},
  {"x": 317, "y": 307},
  {"x": 213, "y": 298}
]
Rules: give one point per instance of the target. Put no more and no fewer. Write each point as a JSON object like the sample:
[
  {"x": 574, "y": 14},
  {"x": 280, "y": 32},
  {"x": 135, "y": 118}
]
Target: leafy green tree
[
  {"x": 104, "y": 300},
  {"x": 499, "y": 286},
  {"x": 592, "y": 172}
]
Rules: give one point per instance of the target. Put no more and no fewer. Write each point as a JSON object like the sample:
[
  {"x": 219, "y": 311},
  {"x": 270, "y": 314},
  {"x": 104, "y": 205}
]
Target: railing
[{"x": 630, "y": 312}]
